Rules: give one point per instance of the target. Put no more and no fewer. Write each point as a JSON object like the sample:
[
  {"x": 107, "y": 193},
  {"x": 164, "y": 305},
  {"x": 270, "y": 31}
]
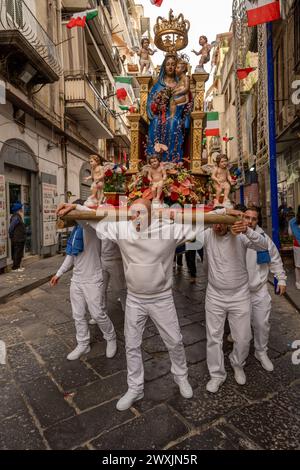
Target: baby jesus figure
[
  {"x": 97, "y": 177},
  {"x": 204, "y": 52},
  {"x": 145, "y": 52},
  {"x": 181, "y": 93},
  {"x": 157, "y": 176},
  {"x": 222, "y": 179}
]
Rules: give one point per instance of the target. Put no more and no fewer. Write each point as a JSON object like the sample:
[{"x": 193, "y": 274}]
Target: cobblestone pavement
[{"x": 48, "y": 402}]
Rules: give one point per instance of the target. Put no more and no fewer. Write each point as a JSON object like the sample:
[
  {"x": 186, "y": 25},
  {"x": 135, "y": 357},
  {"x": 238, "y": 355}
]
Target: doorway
[{"x": 21, "y": 193}]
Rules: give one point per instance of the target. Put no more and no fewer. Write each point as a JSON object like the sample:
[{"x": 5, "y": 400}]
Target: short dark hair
[
  {"x": 204, "y": 37},
  {"x": 240, "y": 207},
  {"x": 254, "y": 209},
  {"x": 143, "y": 41},
  {"x": 154, "y": 157}
]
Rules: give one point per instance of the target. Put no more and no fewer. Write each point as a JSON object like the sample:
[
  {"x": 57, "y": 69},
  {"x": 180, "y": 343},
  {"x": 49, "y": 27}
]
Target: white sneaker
[
  {"x": 230, "y": 339},
  {"x": 111, "y": 348},
  {"x": 128, "y": 399},
  {"x": 78, "y": 352},
  {"x": 239, "y": 375},
  {"x": 185, "y": 388},
  {"x": 298, "y": 285},
  {"x": 214, "y": 384},
  {"x": 20, "y": 270},
  {"x": 262, "y": 357},
  {"x": 92, "y": 322}
]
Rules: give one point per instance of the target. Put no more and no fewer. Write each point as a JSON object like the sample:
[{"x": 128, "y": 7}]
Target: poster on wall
[
  {"x": 3, "y": 227},
  {"x": 49, "y": 194}
]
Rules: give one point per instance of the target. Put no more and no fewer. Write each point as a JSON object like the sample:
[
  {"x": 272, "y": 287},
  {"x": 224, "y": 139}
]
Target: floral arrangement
[
  {"x": 179, "y": 188},
  {"x": 115, "y": 179}
]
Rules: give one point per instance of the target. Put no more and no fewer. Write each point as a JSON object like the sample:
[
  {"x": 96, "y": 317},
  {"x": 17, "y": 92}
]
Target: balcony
[
  {"x": 30, "y": 54},
  {"x": 85, "y": 105}
]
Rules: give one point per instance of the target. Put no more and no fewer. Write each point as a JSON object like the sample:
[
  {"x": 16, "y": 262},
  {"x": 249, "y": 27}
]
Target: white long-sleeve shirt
[
  {"x": 87, "y": 265},
  {"x": 109, "y": 251},
  {"x": 258, "y": 273},
  {"x": 147, "y": 255},
  {"x": 226, "y": 257}
]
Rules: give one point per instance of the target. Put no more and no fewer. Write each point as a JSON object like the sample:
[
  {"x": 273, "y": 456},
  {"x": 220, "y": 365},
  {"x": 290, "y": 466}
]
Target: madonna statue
[{"x": 169, "y": 118}]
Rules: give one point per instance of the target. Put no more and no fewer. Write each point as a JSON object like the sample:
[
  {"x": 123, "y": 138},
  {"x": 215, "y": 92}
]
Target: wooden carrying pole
[{"x": 123, "y": 214}]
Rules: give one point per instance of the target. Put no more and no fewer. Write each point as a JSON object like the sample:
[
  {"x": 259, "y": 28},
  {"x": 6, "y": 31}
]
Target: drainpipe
[{"x": 64, "y": 153}]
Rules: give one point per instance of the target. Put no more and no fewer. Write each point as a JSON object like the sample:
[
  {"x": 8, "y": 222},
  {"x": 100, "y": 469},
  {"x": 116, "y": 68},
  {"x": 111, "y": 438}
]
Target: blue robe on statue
[{"x": 172, "y": 132}]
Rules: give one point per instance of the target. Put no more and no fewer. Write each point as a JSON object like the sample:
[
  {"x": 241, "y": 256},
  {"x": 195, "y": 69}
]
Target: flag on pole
[
  {"x": 227, "y": 139},
  {"x": 212, "y": 126},
  {"x": 243, "y": 73},
  {"x": 157, "y": 3},
  {"x": 262, "y": 11},
  {"x": 80, "y": 19},
  {"x": 123, "y": 88}
]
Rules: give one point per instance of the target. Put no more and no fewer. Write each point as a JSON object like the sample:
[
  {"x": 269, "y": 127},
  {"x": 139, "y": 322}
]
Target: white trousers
[
  {"x": 113, "y": 271},
  {"x": 260, "y": 318},
  {"x": 162, "y": 312},
  {"x": 238, "y": 312},
  {"x": 89, "y": 295}
]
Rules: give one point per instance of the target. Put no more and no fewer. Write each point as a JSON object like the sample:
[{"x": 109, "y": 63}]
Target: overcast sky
[{"x": 208, "y": 17}]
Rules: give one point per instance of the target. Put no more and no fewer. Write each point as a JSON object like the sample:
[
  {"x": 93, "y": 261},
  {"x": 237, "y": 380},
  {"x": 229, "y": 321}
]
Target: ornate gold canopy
[{"x": 171, "y": 35}]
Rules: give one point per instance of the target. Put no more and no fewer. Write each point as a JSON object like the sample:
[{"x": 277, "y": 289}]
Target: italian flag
[
  {"x": 124, "y": 83},
  {"x": 212, "y": 125},
  {"x": 262, "y": 11},
  {"x": 80, "y": 19}
]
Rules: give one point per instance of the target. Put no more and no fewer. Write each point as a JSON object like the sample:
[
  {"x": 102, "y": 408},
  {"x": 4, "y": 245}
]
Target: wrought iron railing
[{"x": 15, "y": 15}]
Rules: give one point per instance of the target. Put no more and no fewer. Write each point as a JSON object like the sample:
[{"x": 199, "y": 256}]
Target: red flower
[
  {"x": 154, "y": 108},
  {"x": 121, "y": 94},
  {"x": 174, "y": 196},
  {"x": 108, "y": 173}
]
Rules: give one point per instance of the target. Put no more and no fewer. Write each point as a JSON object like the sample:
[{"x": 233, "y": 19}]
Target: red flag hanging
[
  {"x": 243, "y": 73},
  {"x": 262, "y": 11},
  {"x": 157, "y": 3}
]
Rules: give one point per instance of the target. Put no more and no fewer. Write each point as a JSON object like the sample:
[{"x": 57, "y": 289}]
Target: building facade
[{"x": 57, "y": 108}]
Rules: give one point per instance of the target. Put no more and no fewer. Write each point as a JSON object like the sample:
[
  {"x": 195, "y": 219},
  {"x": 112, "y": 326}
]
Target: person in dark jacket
[{"x": 17, "y": 234}]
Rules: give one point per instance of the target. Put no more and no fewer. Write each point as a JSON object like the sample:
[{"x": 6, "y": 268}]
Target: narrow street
[{"x": 48, "y": 402}]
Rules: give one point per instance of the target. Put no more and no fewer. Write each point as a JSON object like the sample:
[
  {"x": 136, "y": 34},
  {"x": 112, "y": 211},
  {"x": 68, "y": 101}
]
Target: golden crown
[{"x": 171, "y": 34}]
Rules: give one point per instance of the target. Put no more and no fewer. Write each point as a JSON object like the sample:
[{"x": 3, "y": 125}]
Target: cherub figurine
[
  {"x": 157, "y": 176},
  {"x": 181, "y": 93},
  {"x": 204, "y": 52},
  {"x": 222, "y": 179},
  {"x": 145, "y": 52},
  {"x": 97, "y": 177}
]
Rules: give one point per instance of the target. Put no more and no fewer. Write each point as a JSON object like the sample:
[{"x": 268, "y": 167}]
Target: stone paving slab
[
  {"x": 153, "y": 430},
  {"x": 221, "y": 437},
  {"x": 268, "y": 425},
  {"x": 50, "y": 402},
  {"x": 47, "y": 402},
  {"x": 86, "y": 426},
  {"x": 100, "y": 391},
  {"x": 19, "y": 432}
]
